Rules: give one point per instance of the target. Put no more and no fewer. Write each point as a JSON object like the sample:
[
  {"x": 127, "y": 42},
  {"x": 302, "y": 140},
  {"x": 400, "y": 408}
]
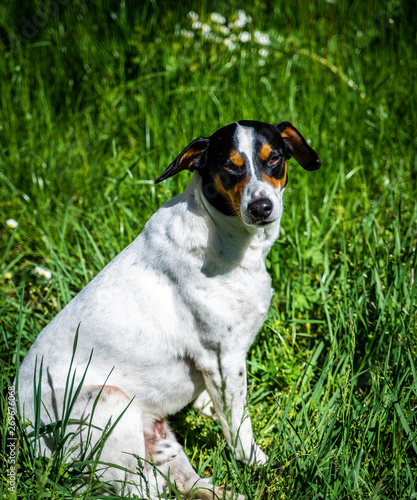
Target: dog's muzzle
[{"x": 261, "y": 204}]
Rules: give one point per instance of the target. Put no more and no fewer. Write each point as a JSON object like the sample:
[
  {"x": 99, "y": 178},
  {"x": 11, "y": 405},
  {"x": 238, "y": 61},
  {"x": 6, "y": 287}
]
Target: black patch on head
[
  {"x": 274, "y": 164},
  {"x": 213, "y": 158},
  {"x": 220, "y": 165},
  {"x": 265, "y": 134}
]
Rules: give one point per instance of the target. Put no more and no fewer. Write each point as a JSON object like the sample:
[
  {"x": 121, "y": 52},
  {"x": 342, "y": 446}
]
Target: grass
[{"x": 97, "y": 98}]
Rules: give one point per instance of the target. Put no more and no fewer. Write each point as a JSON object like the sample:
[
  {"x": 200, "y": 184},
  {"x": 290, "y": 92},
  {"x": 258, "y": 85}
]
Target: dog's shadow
[{"x": 195, "y": 430}]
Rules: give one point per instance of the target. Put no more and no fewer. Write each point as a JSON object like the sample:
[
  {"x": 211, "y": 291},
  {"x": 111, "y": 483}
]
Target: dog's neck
[{"x": 243, "y": 244}]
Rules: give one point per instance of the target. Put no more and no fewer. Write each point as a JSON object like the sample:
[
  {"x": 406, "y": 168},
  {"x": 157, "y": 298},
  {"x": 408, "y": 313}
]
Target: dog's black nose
[{"x": 260, "y": 209}]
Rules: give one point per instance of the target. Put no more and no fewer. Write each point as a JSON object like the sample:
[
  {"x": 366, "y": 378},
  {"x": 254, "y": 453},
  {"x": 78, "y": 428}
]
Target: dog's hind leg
[
  {"x": 106, "y": 420},
  {"x": 143, "y": 448},
  {"x": 115, "y": 449},
  {"x": 135, "y": 453}
]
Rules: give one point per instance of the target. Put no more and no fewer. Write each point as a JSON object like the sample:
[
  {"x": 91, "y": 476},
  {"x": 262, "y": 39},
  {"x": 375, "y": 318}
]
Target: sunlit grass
[{"x": 94, "y": 106}]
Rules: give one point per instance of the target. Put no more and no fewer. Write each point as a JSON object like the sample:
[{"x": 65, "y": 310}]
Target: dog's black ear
[
  {"x": 301, "y": 151},
  {"x": 192, "y": 158}
]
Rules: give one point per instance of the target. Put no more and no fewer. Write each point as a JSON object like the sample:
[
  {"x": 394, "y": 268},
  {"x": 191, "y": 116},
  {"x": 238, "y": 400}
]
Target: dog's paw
[
  {"x": 223, "y": 492},
  {"x": 255, "y": 457},
  {"x": 205, "y": 490},
  {"x": 165, "y": 450},
  {"x": 260, "y": 458}
]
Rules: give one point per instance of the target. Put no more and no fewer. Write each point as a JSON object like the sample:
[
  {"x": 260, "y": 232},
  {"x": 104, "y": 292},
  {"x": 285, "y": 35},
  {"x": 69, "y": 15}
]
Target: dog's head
[{"x": 243, "y": 167}]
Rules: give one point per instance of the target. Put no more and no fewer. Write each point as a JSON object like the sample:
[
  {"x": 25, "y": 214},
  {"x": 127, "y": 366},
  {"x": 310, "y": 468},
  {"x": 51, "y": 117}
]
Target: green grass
[{"x": 93, "y": 106}]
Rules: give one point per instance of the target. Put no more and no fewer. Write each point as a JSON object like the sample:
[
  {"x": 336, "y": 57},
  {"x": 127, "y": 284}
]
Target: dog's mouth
[
  {"x": 263, "y": 223},
  {"x": 260, "y": 223}
]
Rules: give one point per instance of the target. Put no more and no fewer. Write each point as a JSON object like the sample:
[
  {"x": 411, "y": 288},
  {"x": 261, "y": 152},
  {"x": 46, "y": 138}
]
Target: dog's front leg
[{"x": 227, "y": 389}]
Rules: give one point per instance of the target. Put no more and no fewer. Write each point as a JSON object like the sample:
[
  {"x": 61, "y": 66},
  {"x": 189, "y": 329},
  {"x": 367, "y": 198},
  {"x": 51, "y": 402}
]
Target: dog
[{"x": 170, "y": 319}]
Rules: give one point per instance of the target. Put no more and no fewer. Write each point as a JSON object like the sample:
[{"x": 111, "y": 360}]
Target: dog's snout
[{"x": 260, "y": 209}]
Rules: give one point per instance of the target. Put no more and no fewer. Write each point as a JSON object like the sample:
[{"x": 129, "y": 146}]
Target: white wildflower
[
  {"x": 8, "y": 276},
  {"x": 244, "y": 37},
  {"x": 11, "y": 223},
  {"x": 262, "y": 38},
  {"x": 241, "y": 14},
  {"x": 192, "y": 15},
  {"x": 240, "y": 23},
  {"x": 261, "y": 62},
  {"x": 263, "y": 52},
  {"x": 224, "y": 30},
  {"x": 187, "y": 34},
  {"x": 242, "y": 19},
  {"x": 205, "y": 28},
  {"x": 43, "y": 272},
  {"x": 229, "y": 44},
  {"x": 208, "y": 35},
  {"x": 196, "y": 25},
  {"x": 217, "y": 18}
]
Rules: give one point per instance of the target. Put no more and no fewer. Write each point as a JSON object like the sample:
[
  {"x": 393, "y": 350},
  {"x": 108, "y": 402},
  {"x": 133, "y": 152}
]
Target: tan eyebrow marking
[
  {"x": 265, "y": 151},
  {"x": 237, "y": 158},
  {"x": 275, "y": 183}
]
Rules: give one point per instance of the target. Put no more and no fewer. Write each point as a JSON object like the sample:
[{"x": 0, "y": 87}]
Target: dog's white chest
[{"x": 230, "y": 309}]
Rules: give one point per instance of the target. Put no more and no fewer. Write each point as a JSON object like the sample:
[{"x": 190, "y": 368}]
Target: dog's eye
[
  {"x": 276, "y": 165},
  {"x": 231, "y": 167},
  {"x": 275, "y": 160}
]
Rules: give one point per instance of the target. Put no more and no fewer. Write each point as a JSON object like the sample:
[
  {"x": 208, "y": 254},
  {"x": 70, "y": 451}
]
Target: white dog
[{"x": 173, "y": 315}]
